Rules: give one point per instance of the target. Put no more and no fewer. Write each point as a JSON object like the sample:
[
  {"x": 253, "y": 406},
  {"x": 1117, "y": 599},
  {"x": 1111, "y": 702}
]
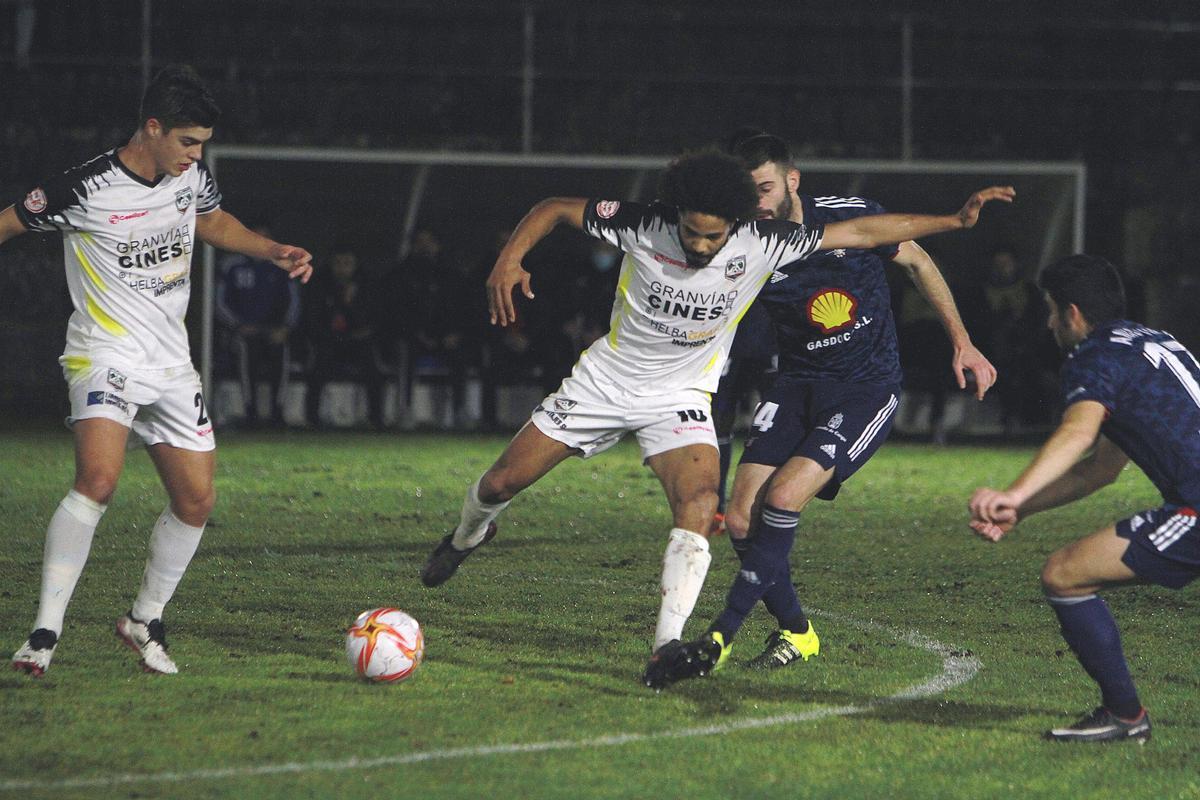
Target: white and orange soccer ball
[{"x": 385, "y": 644}]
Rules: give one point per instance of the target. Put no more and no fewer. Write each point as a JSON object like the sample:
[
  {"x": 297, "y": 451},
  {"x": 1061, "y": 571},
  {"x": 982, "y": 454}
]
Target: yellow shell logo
[{"x": 832, "y": 309}]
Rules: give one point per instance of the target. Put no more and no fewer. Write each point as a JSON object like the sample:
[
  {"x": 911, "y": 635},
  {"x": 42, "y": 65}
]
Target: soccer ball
[{"x": 385, "y": 644}]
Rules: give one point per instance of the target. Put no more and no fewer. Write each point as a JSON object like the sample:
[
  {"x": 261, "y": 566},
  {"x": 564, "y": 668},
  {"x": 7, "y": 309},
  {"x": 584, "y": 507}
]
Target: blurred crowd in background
[{"x": 1116, "y": 89}]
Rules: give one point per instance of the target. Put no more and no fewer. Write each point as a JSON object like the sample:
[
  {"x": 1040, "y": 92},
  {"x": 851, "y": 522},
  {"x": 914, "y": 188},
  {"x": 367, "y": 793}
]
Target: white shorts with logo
[
  {"x": 161, "y": 406},
  {"x": 589, "y": 413}
]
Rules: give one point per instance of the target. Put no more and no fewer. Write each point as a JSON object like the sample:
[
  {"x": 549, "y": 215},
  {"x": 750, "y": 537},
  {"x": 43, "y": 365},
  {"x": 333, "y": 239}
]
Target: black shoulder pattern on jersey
[
  {"x": 210, "y": 195},
  {"x": 608, "y": 219},
  {"x": 42, "y": 207},
  {"x": 781, "y": 234}
]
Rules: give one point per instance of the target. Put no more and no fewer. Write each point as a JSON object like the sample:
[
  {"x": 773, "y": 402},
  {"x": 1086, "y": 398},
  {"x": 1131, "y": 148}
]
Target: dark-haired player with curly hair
[
  {"x": 129, "y": 221},
  {"x": 694, "y": 261}
]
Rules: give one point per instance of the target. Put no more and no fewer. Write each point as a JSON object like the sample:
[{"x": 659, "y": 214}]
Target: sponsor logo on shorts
[
  {"x": 558, "y": 419},
  {"x": 113, "y": 219},
  {"x": 1078, "y": 390},
  {"x": 829, "y": 450},
  {"x": 750, "y": 576},
  {"x": 778, "y": 276},
  {"x": 564, "y": 404},
  {"x": 102, "y": 398},
  {"x": 116, "y": 380},
  {"x": 735, "y": 269},
  {"x": 183, "y": 199},
  {"x": 35, "y": 201},
  {"x": 607, "y": 209}
]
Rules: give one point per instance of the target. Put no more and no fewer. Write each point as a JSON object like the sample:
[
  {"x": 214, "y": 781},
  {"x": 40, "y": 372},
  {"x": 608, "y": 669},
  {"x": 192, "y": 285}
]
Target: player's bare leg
[
  {"x": 1070, "y": 578},
  {"x": 188, "y": 478},
  {"x": 529, "y": 456},
  {"x": 689, "y": 476},
  {"x": 99, "y": 458}
]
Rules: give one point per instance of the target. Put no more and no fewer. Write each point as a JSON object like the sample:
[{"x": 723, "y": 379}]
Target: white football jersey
[
  {"x": 671, "y": 324},
  {"x": 127, "y": 246}
]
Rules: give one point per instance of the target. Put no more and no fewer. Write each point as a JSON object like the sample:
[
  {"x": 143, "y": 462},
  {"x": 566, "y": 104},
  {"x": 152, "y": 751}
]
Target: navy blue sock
[
  {"x": 761, "y": 567},
  {"x": 740, "y": 547},
  {"x": 1089, "y": 628},
  {"x": 781, "y": 600},
  {"x": 725, "y": 448}
]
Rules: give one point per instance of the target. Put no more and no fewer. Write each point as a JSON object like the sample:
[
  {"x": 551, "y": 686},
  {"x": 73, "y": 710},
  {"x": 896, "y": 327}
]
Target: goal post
[{"x": 314, "y": 196}]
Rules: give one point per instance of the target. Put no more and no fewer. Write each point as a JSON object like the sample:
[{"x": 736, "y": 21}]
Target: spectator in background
[
  {"x": 1013, "y": 333},
  {"x": 339, "y": 328},
  {"x": 447, "y": 314},
  {"x": 258, "y": 307}
]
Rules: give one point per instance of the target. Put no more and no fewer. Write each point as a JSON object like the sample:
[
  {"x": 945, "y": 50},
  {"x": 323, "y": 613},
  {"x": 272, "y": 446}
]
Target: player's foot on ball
[
  {"x": 445, "y": 558},
  {"x": 34, "y": 656},
  {"x": 676, "y": 661},
  {"x": 149, "y": 640},
  {"x": 784, "y": 647},
  {"x": 1104, "y": 726}
]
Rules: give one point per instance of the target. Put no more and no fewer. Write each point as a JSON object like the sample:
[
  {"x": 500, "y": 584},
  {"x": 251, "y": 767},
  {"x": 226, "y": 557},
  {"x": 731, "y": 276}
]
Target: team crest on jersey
[
  {"x": 183, "y": 199},
  {"x": 736, "y": 268},
  {"x": 832, "y": 309},
  {"x": 35, "y": 201},
  {"x": 116, "y": 380},
  {"x": 607, "y": 209}
]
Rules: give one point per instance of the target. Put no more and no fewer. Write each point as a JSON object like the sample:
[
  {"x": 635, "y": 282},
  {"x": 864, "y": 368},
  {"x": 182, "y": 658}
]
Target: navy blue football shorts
[
  {"x": 1164, "y": 545},
  {"x": 838, "y": 425}
]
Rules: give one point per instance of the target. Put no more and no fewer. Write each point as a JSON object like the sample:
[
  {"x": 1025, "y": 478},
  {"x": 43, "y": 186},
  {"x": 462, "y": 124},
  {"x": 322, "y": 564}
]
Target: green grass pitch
[{"x": 530, "y": 683}]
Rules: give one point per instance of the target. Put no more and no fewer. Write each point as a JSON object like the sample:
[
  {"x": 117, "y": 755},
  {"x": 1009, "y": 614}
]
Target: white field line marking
[{"x": 957, "y": 669}]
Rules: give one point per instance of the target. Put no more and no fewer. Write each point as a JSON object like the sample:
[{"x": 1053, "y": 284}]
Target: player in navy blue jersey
[
  {"x": 1130, "y": 393},
  {"x": 830, "y": 409}
]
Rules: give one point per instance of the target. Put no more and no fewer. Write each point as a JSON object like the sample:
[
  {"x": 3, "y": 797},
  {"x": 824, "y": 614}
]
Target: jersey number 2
[{"x": 202, "y": 418}]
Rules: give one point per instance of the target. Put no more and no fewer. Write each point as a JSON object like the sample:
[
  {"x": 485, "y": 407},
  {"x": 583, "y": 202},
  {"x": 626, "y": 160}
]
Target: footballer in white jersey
[
  {"x": 130, "y": 220},
  {"x": 127, "y": 247},
  {"x": 693, "y": 264},
  {"x": 671, "y": 323}
]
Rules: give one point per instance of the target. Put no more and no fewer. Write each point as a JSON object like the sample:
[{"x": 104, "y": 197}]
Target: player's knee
[
  {"x": 737, "y": 522},
  {"x": 787, "y": 497},
  {"x": 699, "y": 500},
  {"x": 498, "y": 486},
  {"x": 1056, "y": 580},
  {"x": 194, "y": 507},
  {"x": 97, "y": 486}
]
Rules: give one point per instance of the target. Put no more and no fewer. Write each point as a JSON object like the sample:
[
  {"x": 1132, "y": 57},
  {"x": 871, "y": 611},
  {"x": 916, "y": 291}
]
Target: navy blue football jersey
[
  {"x": 1150, "y": 385},
  {"x": 833, "y": 311}
]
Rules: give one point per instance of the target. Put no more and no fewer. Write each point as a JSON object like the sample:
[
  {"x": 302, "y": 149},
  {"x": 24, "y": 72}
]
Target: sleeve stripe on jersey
[{"x": 840, "y": 202}]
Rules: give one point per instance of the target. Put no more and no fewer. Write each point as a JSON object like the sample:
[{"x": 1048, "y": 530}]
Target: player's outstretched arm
[
  {"x": 928, "y": 279},
  {"x": 10, "y": 224},
  {"x": 508, "y": 272},
  {"x": 224, "y": 231},
  {"x": 863, "y": 233},
  {"x": 1055, "y": 477}
]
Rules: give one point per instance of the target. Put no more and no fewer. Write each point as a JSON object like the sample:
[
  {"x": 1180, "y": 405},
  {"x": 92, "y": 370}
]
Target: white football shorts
[
  {"x": 161, "y": 406},
  {"x": 589, "y": 413}
]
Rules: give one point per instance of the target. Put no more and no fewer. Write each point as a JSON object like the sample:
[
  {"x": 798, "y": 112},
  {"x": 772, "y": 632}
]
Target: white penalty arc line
[{"x": 957, "y": 668}]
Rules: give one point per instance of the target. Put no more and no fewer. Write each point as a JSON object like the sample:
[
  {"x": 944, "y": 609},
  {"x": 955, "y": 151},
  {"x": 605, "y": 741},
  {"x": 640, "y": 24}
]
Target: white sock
[
  {"x": 172, "y": 546},
  {"x": 68, "y": 542},
  {"x": 475, "y": 518},
  {"x": 684, "y": 567}
]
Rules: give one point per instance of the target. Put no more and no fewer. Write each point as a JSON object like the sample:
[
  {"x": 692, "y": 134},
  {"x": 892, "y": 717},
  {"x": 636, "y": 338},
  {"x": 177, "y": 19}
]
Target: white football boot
[
  {"x": 149, "y": 639},
  {"x": 34, "y": 656}
]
